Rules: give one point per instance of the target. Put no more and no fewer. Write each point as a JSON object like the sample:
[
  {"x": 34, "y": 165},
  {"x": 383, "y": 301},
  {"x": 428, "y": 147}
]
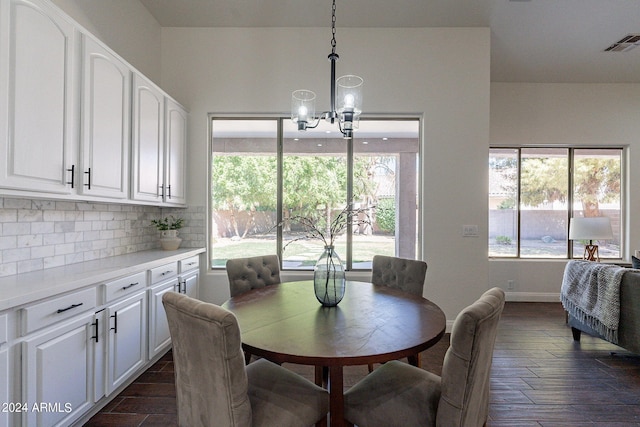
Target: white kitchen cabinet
[
  {"x": 175, "y": 190},
  {"x": 147, "y": 141},
  {"x": 189, "y": 276},
  {"x": 105, "y": 115},
  {"x": 38, "y": 144},
  {"x": 159, "y": 336},
  {"x": 127, "y": 339},
  {"x": 5, "y": 391},
  {"x": 189, "y": 284},
  {"x": 4, "y": 387},
  {"x": 99, "y": 335},
  {"x": 58, "y": 373}
]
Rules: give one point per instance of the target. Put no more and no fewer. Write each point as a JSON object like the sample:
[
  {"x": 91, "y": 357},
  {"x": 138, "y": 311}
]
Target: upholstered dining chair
[
  {"x": 398, "y": 394},
  {"x": 408, "y": 275},
  {"x": 399, "y": 273},
  {"x": 250, "y": 273},
  {"x": 254, "y": 272},
  {"x": 213, "y": 385}
]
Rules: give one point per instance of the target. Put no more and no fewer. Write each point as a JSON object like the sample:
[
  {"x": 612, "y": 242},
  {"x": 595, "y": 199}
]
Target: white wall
[
  {"x": 440, "y": 73},
  {"x": 125, "y": 26},
  {"x": 563, "y": 114}
]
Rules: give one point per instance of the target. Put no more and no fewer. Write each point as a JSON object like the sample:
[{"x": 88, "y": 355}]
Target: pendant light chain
[{"x": 333, "y": 27}]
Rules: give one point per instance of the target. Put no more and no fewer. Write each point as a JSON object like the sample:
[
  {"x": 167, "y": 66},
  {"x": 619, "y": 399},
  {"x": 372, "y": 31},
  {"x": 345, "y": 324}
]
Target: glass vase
[{"x": 329, "y": 278}]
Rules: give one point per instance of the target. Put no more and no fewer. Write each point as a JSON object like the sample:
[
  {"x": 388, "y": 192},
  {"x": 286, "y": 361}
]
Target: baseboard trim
[{"x": 532, "y": 296}]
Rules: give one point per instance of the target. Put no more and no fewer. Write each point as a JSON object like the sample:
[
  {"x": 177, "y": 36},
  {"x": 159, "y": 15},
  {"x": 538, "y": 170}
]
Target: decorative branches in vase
[{"x": 328, "y": 273}]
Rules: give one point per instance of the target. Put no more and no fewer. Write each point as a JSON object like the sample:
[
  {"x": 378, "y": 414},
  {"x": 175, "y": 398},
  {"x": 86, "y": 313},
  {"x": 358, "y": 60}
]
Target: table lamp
[{"x": 594, "y": 228}]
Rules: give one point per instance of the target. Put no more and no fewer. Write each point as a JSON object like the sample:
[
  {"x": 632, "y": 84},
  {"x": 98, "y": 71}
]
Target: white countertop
[{"x": 28, "y": 287}]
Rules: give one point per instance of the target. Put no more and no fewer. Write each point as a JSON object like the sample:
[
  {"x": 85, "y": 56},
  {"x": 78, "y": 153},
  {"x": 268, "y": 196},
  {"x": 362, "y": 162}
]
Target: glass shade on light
[
  {"x": 593, "y": 228},
  {"x": 303, "y": 107},
  {"x": 349, "y": 99}
]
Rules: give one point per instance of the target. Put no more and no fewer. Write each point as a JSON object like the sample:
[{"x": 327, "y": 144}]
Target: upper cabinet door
[
  {"x": 36, "y": 97},
  {"x": 148, "y": 141},
  {"x": 106, "y": 130},
  {"x": 176, "y": 153}
]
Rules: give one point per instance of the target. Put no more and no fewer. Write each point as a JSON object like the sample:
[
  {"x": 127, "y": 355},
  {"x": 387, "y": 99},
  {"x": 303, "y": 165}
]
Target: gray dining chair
[
  {"x": 213, "y": 385},
  {"x": 398, "y": 394},
  {"x": 250, "y": 273},
  {"x": 405, "y": 274},
  {"x": 253, "y": 272}
]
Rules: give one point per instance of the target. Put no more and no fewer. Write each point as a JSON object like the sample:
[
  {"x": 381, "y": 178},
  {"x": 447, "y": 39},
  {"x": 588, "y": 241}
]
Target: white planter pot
[{"x": 170, "y": 240}]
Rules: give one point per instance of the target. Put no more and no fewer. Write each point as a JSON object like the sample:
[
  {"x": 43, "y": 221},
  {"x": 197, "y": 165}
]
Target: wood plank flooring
[{"x": 540, "y": 377}]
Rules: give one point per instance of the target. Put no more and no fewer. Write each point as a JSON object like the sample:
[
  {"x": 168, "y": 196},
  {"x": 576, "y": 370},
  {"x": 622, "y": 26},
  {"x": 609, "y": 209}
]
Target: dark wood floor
[{"x": 540, "y": 377}]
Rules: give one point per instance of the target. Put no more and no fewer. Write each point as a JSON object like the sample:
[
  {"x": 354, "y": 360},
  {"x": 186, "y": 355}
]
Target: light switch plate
[{"x": 469, "y": 231}]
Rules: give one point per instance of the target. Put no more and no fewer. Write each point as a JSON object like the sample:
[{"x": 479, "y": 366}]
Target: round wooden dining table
[{"x": 372, "y": 324}]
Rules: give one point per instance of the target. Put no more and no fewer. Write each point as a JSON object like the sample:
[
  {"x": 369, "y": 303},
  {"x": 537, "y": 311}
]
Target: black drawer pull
[
  {"x": 62, "y": 310},
  {"x": 129, "y": 286},
  {"x": 166, "y": 272}
]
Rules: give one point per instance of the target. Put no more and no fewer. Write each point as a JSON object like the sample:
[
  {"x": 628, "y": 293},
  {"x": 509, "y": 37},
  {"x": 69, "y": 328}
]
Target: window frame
[
  {"x": 571, "y": 149},
  {"x": 350, "y": 156}
]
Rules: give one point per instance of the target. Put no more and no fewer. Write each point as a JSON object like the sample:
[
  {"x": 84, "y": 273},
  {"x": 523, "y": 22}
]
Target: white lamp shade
[{"x": 594, "y": 228}]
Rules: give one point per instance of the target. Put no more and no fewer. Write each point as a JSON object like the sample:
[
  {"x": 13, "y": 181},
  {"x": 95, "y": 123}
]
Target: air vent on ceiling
[{"x": 625, "y": 44}]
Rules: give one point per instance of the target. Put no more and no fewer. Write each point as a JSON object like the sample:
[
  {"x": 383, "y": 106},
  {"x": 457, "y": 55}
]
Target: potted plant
[{"x": 168, "y": 227}]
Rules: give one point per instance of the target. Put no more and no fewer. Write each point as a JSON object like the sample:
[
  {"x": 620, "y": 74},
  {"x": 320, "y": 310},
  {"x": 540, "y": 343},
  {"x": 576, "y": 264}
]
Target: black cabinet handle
[
  {"x": 73, "y": 172},
  {"x": 95, "y": 325},
  {"x": 161, "y": 187},
  {"x": 166, "y": 272},
  {"x": 169, "y": 190},
  {"x": 129, "y": 286},
  {"x": 115, "y": 323},
  {"x": 88, "y": 184},
  {"x": 62, "y": 310}
]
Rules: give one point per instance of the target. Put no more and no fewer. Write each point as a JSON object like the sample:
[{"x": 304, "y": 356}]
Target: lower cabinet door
[
  {"x": 159, "y": 336},
  {"x": 190, "y": 285},
  {"x": 4, "y": 388},
  {"x": 127, "y": 341},
  {"x": 58, "y": 373}
]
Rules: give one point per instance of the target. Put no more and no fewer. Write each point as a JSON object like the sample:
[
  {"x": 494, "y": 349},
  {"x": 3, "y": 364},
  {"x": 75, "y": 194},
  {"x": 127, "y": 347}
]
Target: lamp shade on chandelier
[{"x": 346, "y": 98}]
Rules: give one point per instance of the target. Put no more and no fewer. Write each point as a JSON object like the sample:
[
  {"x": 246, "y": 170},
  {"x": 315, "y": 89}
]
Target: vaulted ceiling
[{"x": 551, "y": 41}]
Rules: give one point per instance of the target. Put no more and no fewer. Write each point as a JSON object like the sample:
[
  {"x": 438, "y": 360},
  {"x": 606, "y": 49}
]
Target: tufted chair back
[
  {"x": 400, "y": 273},
  {"x": 254, "y": 272}
]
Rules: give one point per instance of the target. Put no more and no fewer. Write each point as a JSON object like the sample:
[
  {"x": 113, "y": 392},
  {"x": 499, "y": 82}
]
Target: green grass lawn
[{"x": 302, "y": 253}]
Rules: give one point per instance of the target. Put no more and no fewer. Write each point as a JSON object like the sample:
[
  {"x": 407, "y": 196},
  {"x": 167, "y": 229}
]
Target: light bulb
[
  {"x": 302, "y": 113},
  {"x": 349, "y": 101}
]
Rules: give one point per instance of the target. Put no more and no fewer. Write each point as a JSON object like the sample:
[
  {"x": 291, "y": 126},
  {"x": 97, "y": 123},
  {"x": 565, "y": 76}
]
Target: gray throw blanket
[{"x": 591, "y": 293}]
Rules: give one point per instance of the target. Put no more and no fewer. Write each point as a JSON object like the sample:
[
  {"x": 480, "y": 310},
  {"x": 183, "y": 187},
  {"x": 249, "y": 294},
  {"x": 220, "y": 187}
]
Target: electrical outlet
[{"x": 511, "y": 285}]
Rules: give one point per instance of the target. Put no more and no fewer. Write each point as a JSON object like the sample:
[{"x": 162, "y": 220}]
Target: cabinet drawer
[
  {"x": 3, "y": 329},
  {"x": 124, "y": 286},
  {"x": 188, "y": 264},
  {"x": 46, "y": 313},
  {"x": 163, "y": 272}
]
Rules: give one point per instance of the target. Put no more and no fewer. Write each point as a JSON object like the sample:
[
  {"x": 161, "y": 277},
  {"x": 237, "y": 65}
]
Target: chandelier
[{"x": 346, "y": 90}]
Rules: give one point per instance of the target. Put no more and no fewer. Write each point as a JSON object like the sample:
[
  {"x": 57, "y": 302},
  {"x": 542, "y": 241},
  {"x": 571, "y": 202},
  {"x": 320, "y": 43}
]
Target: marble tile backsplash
[{"x": 40, "y": 234}]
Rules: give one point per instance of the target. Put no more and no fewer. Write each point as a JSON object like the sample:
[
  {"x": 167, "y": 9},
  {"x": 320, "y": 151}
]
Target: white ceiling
[{"x": 553, "y": 41}]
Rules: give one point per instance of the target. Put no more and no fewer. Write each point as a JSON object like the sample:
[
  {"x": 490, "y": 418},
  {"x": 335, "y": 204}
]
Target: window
[
  {"x": 533, "y": 192},
  {"x": 264, "y": 171}
]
